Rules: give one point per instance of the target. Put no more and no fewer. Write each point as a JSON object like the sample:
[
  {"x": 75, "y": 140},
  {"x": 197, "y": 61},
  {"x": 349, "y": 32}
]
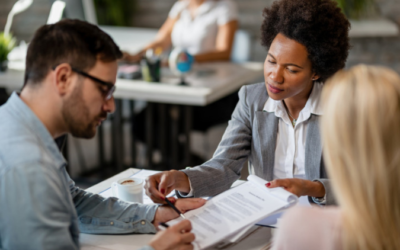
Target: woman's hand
[
  {"x": 159, "y": 185},
  {"x": 131, "y": 58},
  {"x": 299, "y": 187},
  {"x": 177, "y": 236}
]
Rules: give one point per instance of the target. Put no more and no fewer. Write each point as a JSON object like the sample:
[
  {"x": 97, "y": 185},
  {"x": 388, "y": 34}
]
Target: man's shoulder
[
  {"x": 9, "y": 122},
  {"x": 22, "y": 152},
  {"x": 18, "y": 144}
]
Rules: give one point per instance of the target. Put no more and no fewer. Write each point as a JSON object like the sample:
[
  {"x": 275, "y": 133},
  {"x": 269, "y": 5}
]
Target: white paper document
[
  {"x": 272, "y": 220},
  {"x": 235, "y": 209}
]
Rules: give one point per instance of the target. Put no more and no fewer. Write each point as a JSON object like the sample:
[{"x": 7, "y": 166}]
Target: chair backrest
[{"x": 241, "y": 47}]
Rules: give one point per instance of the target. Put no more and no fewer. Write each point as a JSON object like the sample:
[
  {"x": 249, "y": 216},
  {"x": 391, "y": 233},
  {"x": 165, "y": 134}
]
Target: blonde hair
[{"x": 361, "y": 136}]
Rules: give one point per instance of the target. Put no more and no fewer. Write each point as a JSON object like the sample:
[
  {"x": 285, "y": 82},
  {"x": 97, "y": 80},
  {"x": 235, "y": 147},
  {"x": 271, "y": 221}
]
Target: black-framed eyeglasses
[{"x": 110, "y": 87}]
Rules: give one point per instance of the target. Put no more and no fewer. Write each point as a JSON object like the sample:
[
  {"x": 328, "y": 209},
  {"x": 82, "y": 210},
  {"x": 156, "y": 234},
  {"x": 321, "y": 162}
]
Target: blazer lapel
[
  {"x": 267, "y": 128},
  {"x": 313, "y": 149}
]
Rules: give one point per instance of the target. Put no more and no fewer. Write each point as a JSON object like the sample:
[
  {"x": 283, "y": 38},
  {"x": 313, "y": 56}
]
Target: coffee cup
[{"x": 128, "y": 189}]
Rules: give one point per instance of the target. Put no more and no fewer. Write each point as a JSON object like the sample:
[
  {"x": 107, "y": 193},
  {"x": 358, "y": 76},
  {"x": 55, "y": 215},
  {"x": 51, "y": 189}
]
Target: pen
[
  {"x": 173, "y": 207},
  {"x": 164, "y": 224}
]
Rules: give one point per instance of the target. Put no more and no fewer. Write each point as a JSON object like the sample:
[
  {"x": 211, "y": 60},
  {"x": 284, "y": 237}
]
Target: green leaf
[
  {"x": 115, "y": 12},
  {"x": 7, "y": 43},
  {"x": 354, "y": 8}
]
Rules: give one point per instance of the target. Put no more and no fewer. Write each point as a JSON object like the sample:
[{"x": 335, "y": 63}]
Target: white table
[
  {"x": 225, "y": 79},
  {"x": 255, "y": 241}
]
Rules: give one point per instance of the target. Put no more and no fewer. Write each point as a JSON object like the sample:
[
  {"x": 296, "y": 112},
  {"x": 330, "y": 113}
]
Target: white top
[
  {"x": 309, "y": 228},
  {"x": 198, "y": 35},
  {"x": 291, "y": 142}
]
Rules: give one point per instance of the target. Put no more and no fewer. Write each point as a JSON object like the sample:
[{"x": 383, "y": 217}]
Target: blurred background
[{"x": 374, "y": 38}]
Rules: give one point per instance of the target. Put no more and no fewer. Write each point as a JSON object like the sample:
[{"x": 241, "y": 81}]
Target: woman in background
[
  {"x": 361, "y": 136},
  {"x": 205, "y": 28}
]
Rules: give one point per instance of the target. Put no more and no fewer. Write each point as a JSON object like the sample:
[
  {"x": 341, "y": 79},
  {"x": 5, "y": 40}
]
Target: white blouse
[
  {"x": 290, "y": 148},
  {"x": 199, "y": 35},
  {"x": 291, "y": 142}
]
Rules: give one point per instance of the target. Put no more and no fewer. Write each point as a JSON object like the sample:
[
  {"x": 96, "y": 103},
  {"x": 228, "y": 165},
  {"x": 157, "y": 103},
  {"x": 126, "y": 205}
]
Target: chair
[{"x": 241, "y": 47}]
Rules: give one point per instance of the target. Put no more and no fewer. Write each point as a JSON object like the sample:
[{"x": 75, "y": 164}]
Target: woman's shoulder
[
  {"x": 177, "y": 8},
  {"x": 226, "y": 4},
  {"x": 226, "y": 10},
  {"x": 254, "y": 94},
  {"x": 309, "y": 228},
  {"x": 311, "y": 214}
]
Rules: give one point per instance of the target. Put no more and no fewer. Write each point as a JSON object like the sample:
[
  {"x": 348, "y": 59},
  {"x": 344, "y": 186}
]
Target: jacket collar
[{"x": 313, "y": 104}]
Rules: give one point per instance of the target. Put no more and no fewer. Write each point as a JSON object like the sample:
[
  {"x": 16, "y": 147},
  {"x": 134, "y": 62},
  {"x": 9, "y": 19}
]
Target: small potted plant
[
  {"x": 7, "y": 43},
  {"x": 357, "y": 9}
]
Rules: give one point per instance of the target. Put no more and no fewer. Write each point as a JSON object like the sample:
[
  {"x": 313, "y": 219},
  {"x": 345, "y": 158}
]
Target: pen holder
[{"x": 150, "y": 69}]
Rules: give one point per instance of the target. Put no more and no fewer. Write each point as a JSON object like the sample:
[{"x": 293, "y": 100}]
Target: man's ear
[{"x": 63, "y": 78}]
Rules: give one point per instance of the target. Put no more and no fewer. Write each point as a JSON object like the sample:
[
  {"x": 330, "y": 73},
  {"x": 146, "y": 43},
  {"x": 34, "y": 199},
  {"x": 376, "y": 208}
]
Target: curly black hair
[{"x": 317, "y": 24}]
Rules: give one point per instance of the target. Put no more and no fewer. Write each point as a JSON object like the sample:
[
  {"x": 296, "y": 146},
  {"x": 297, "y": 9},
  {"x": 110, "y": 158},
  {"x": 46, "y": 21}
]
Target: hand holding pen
[
  {"x": 173, "y": 207},
  {"x": 178, "y": 236},
  {"x": 178, "y": 233},
  {"x": 166, "y": 213}
]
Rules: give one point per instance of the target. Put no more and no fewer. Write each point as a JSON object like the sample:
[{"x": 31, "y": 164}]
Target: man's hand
[
  {"x": 299, "y": 187},
  {"x": 177, "y": 236},
  {"x": 159, "y": 185},
  {"x": 166, "y": 213}
]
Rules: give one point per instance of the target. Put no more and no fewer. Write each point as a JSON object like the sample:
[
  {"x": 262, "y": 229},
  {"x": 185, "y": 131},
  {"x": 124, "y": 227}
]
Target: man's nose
[{"x": 109, "y": 105}]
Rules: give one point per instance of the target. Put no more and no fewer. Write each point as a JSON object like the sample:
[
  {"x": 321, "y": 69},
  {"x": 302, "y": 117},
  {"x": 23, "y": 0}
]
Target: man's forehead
[{"x": 106, "y": 71}]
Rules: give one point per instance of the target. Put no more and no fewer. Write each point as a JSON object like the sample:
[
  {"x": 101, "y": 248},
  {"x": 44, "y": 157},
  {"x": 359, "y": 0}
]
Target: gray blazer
[{"x": 251, "y": 136}]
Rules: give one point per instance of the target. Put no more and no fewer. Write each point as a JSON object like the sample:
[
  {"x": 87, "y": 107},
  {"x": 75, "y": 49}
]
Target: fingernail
[
  {"x": 268, "y": 184},
  {"x": 162, "y": 190},
  {"x": 162, "y": 197}
]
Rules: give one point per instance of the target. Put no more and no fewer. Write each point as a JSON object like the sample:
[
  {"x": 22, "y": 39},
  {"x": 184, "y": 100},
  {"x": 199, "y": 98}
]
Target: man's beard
[{"x": 77, "y": 116}]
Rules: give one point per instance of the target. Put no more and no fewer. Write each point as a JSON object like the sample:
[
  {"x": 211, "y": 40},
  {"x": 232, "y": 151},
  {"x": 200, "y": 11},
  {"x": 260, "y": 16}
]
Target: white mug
[{"x": 132, "y": 192}]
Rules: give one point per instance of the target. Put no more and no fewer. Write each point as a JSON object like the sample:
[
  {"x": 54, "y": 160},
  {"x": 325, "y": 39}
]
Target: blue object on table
[{"x": 180, "y": 62}]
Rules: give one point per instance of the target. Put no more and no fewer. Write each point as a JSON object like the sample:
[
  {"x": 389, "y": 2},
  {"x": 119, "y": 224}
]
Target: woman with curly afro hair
[{"x": 275, "y": 124}]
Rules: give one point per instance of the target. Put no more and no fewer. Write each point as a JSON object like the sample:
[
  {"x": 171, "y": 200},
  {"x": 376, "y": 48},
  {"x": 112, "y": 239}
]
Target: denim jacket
[{"x": 40, "y": 206}]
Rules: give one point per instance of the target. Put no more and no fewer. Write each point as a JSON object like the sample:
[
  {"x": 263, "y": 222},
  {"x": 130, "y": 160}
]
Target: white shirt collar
[
  {"x": 313, "y": 105},
  {"x": 202, "y": 9}
]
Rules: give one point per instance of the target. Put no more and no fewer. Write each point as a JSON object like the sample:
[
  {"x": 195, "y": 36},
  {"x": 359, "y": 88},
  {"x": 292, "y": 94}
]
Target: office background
[
  {"x": 152, "y": 13},
  {"x": 378, "y": 49}
]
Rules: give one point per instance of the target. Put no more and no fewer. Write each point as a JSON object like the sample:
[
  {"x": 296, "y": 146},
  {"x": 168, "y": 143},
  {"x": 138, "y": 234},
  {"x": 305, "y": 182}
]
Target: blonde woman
[{"x": 361, "y": 138}]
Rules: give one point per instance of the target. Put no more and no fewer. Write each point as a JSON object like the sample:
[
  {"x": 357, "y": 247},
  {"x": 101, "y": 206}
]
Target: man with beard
[{"x": 70, "y": 76}]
